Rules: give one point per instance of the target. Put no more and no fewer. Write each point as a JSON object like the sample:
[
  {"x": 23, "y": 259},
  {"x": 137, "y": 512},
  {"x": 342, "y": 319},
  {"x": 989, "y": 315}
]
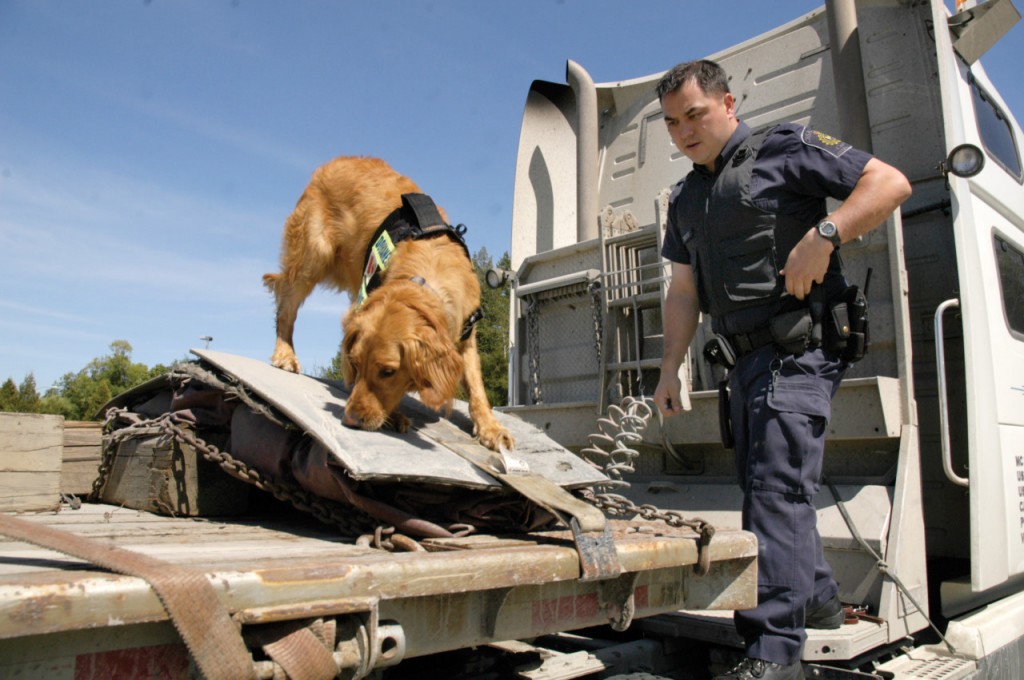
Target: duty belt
[{"x": 745, "y": 343}]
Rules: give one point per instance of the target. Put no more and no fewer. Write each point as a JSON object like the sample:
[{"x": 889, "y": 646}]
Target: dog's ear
[
  {"x": 433, "y": 361},
  {"x": 350, "y": 328},
  {"x": 435, "y": 366}
]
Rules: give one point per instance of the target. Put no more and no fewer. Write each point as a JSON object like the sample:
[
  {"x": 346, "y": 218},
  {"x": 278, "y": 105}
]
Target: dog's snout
[{"x": 351, "y": 420}]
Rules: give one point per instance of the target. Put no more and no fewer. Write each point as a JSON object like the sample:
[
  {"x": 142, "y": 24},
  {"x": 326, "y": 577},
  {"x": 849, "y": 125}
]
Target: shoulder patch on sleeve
[{"x": 820, "y": 140}]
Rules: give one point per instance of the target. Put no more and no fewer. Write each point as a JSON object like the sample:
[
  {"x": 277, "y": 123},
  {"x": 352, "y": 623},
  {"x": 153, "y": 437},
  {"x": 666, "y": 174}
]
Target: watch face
[{"x": 830, "y": 231}]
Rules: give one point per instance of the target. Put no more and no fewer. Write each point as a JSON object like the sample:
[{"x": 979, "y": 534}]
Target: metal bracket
[
  {"x": 363, "y": 643},
  {"x": 599, "y": 559},
  {"x": 372, "y": 644},
  {"x": 615, "y": 596}
]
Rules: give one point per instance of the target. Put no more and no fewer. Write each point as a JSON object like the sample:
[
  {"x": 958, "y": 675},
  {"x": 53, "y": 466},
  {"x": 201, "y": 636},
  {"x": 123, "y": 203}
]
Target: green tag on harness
[{"x": 380, "y": 255}]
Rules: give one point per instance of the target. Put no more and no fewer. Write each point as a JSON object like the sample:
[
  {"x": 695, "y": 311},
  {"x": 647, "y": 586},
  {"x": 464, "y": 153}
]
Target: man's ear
[{"x": 730, "y": 104}]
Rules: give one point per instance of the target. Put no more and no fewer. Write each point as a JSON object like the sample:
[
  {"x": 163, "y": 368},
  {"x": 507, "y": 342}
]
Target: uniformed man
[{"x": 749, "y": 236}]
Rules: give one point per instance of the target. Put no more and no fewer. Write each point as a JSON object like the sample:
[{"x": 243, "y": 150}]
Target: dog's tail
[{"x": 270, "y": 281}]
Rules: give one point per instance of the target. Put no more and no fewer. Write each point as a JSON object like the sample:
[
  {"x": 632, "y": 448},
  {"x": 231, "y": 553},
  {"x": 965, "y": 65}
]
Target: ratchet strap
[{"x": 599, "y": 559}]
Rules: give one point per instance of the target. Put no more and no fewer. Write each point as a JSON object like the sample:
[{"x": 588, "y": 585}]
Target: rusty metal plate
[{"x": 425, "y": 453}]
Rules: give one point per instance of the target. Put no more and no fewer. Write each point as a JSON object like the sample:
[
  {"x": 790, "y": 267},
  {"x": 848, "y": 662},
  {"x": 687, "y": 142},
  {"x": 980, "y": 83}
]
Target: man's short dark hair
[{"x": 710, "y": 77}]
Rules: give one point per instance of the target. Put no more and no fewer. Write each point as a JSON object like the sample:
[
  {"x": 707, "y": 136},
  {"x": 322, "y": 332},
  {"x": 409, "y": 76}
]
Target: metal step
[{"x": 926, "y": 663}]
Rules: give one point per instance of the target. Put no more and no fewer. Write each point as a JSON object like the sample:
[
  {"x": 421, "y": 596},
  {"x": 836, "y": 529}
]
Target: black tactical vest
[{"x": 736, "y": 248}]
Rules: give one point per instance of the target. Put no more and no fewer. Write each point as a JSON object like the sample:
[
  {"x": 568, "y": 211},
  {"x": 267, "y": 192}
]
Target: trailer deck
[{"x": 459, "y": 592}]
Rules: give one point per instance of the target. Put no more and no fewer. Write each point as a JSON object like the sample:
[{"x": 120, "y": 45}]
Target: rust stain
[
  {"x": 32, "y": 611},
  {"x": 305, "y": 574}
]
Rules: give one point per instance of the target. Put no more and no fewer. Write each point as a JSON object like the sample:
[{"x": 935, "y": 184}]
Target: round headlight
[
  {"x": 496, "y": 278},
  {"x": 965, "y": 160}
]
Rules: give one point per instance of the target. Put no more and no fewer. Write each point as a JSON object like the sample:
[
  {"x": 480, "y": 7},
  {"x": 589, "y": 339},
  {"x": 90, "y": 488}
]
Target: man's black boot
[
  {"x": 828, "y": 616},
  {"x": 756, "y": 669}
]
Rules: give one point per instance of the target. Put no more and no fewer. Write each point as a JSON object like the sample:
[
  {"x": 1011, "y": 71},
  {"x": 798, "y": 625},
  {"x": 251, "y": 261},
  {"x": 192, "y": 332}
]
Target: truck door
[{"x": 988, "y": 214}]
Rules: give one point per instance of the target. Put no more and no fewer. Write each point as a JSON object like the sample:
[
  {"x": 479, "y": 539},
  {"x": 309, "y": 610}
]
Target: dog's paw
[
  {"x": 287, "y": 362},
  {"x": 398, "y": 422},
  {"x": 495, "y": 437}
]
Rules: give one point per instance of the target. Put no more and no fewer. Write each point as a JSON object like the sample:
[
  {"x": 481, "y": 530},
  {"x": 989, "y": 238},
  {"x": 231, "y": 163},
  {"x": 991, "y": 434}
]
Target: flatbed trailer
[
  {"x": 59, "y": 615},
  {"x": 69, "y": 609}
]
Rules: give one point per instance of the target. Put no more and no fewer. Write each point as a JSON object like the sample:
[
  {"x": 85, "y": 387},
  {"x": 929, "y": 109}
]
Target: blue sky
[{"x": 150, "y": 150}]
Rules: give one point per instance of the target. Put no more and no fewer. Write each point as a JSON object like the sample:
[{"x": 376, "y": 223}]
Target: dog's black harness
[{"x": 417, "y": 218}]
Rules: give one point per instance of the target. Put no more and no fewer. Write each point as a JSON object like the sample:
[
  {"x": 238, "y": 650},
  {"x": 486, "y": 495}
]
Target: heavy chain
[
  {"x": 351, "y": 521},
  {"x": 597, "y": 313},
  {"x": 109, "y": 447},
  {"x": 533, "y": 348},
  {"x": 620, "y": 506},
  {"x": 182, "y": 373}
]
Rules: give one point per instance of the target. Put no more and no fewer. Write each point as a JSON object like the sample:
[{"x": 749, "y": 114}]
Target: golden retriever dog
[{"x": 406, "y": 336}]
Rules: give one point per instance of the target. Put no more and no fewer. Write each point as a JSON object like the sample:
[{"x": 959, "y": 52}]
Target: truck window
[
  {"x": 996, "y": 133},
  {"x": 1011, "y": 284}
]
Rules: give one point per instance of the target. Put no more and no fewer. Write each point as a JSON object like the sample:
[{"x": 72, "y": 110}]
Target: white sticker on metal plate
[{"x": 513, "y": 465}]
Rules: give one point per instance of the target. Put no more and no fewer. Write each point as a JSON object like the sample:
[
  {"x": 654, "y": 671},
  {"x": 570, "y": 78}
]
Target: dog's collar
[
  {"x": 471, "y": 322},
  {"x": 417, "y": 218}
]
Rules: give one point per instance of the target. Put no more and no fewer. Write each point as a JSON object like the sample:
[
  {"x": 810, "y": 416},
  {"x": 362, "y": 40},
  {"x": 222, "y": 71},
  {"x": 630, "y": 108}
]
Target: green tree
[
  {"x": 334, "y": 371},
  {"x": 83, "y": 393},
  {"x": 28, "y": 396},
  {"x": 22, "y": 398},
  {"x": 117, "y": 369},
  {"x": 79, "y": 396},
  {"x": 492, "y": 330},
  {"x": 55, "y": 403},
  {"x": 9, "y": 396}
]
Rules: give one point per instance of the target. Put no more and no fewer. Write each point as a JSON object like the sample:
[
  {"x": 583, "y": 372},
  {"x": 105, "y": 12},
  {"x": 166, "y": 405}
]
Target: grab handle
[{"x": 940, "y": 364}]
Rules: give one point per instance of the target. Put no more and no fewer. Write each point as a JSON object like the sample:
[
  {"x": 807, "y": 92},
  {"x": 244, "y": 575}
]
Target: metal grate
[
  {"x": 934, "y": 668},
  {"x": 563, "y": 343}
]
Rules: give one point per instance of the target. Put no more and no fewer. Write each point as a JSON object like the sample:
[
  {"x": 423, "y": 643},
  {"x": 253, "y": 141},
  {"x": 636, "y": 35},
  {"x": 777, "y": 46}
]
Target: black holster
[{"x": 847, "y": 327}]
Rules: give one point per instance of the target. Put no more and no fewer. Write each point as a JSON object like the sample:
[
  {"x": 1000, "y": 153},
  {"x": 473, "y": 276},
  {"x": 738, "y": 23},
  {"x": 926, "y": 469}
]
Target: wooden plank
[
  {"x": 83, "y": 449},
  {"x": 30, "y": 456},
  {"x": 153, "y": 473}
]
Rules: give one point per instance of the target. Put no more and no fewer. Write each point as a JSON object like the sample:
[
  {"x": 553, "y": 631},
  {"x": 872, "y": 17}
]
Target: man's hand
[
  {"x": 807, "y": 264},
  {"x": 667, "y": 396},
  {"x": 879, "y": 191}
]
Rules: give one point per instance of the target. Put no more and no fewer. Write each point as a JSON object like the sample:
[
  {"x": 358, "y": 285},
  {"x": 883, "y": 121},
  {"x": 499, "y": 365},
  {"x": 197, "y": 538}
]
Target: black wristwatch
[{"x": 827, "y": 229}]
